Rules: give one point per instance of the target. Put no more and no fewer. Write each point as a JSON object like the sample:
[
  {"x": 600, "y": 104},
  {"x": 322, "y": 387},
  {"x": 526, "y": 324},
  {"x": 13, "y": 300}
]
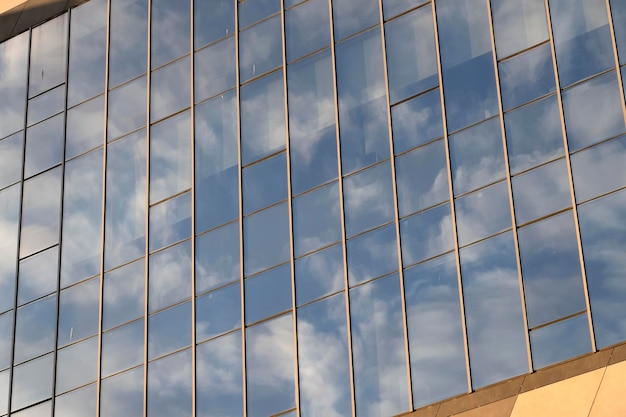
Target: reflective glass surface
[
  {"x": 170, "y": 89},
  {"x": 169, "y": 386},
  {"x": 122, "y": 348},
  {"x": 268, "y": 294},
  {"x": 264, "y": 183},
  {"x": 11, "y": 149},
  {"x": 217, "y": 257},
  {"x": 6, "y": 338},
  {"x": 169, "y": 276},
  {"x": 36, "y": 411},
  {"x": 81, "y": 402},
  {"x": 77, "y": 365},
  {"x": 13, "y": 76},
  {"x": 518, "y": 24},
  {"x": 426, "y": 234},
  {"x": 214, "y": 69},
  {"x": 44, "y": 146},
  {"x": 128, "y": 44},
  {"x": 218, "y": 312},
  {"x": 307, "y": 28},
  {"x": 34, "y": 329},
  {"x": 352, "y": 16},
  {"x": 170, "y": 221},
  {"x": 255, "y": 10},
  {"x": 122, "y": 394},
  {"x": 213, "y": 19},
  {"x": 372, "y": 254},
  {"x": 4, "y": 389},
  {"x": 266, "y": 239},
  {"x": 78, "y": 312},
  {"x": 123, "y": 294},
  {"x": 84, "y": 129},
  {"x": 48, "y": 55},
  {"x": 560, "y": 341},
  {"x": 316, "y": 219},
  {"x": 169, "y": 330},
  {"x": 9, "y": 222},
  {"x": 259, "y": 48},
  {"x": 32, "y": 382},
  {"x": 170, "y": 31},
  {"x": 319, "y": 274},
  {"x": 45, "y": 105},
  {"x": 417, "y": 121},
  {"x": 38, "y": 275},
  {"x": 127, "y": 108}
]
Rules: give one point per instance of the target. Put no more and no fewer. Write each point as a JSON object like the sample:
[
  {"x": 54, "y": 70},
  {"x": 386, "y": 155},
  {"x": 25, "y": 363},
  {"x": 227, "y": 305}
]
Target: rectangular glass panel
[
  {"x": 6, "y": 341},
  {"x": 44, "y": 146},
  {"x": 426, "y": 234},
  {"x": 127, "y": 108},
  {"x": 170, "y": 27},
  {"x": 46, "y": 105},
  {"x": 266, "y": 239},
  {"x": 82, "y": 402},
  {"x": 319, "y": 274},
  {"x": 48, "y": 55},
  {"x": 170, "y": 89},
  {"x": 518, "y": 24},
  {"x": 122, "y": 348},
  {"x": 123, "y": 294},
  {"x": 128, "y": 49},
  {"x": 11, "y": 151},
  {"x": 34, "y": 329},
  {"x": 38, "y": 275},
  {"x": 307, "y": 28},
  {"x": 260, "y": 48},
  {"x": 417, "y": 121},
  {"x": 218, "y": 312},
  {"x": 268, "y": 294},
  {"x": 84, "y": 127},
  {"x": 169, "y": 330},
  {"x": 170, "y": 221},
  {"x": 13, "y": 54},
  {"x": 79, "y": 309},
  {"x": 560, "y": 341},
  {"x": 10, "y": 220},
  {"x": 213, "y": 19},
  {"x": 77, "y": 365},
  {"x": 169, "y": 386},
  {"x": 214, "y": 69},
  {"x": 169, "y": 273},
  {"x": 122, "y": 395},
  {"x": 32, "y": 382},
  {"x": 217, "y": 257},
  {"x": 352, "y": 16},
  {"x": 264, "y": 183},
  {"x": 372, "y": 254}
]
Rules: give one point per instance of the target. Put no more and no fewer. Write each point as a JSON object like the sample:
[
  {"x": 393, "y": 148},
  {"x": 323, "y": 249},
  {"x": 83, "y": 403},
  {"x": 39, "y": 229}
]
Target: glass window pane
[
  {"x": 4, "y": 392},
  {"x": 169, "y": 330},
  {"x": 435, "y": 331},
  {"x": 125, "y": 212},
  {"x": 270, "y": 357},
  {"x": 81, "y": 402},
  {"x": 10, "y": 219},
  {"x": 422, "y": 178},
  {"x": 476, "y": 156},
  {"x": 214, "y": 69},
  {"x": 46, "y": 105},
  {"x": 44, "y": 146},
  {"x": 48, "y": 55},
  {"x": 268, "y": 294},
  {"x": 541, "y": 191},
  {"x": 122, "y": 395},
  {"x": 352, "y": 16},
  {"x": 526, "y": 76},
  {"x": 483, "y": 213},
  {"x": 324, "y": 373},
  {"x": 618, "y": 11},
  {"x": 41, "y": 209},
  {"x": 361, "y": 91},
  {"x": 255, "y": 10},
  {"x": 560, "y": 341},
  {"x": 122, "y": 348},
  {"x": 170, "y": 168},
  {"x": 493, "y": 311},
  {"x": 218, "y": 312},
  {"x": 319, "y": 274},
  {"x": 368, "y": 199},
  {"x": 6, "y": 339},
  {"x": 219, "y": 389},
  {"x": 13, "y": 54},
  {"x": 38, "y": 275},
  {"x": 78, "y": 312},
  {"x": 127, "y": 108},
  {"x": 411, "y": 60},
  {"x": 467, "y": 62},
  {"x": 82, "y": 218},
  {"x": 123, "y": 294},
  {"x": 262, "y": 118},
  {"x": 426, "y": 234},
  {"x": 85, "y": 127},
  {"x": 11, "y": 159},
  {"x": 128, "y": 49},
  {"x": 260, "y": 48},
  {"x": 372, "y": 254},
  {"x": 264, "y": 183},
  {"x": 600, "y": 169},
  {"x": 417, "y": 121},
  {"x": 316, "y": 219},
  {"x": 266, "y": 239},
  {"x": 170, "y": 89},
  {"x": 312, "y": 133},
  {"x": 307, "y": 28},
  {"x": 44, "y": 409},
  {"x": 77, "y": 365},
  {"x": 394, "y": 7},
  {"x": 378, "y": 344},
  {"x": 213, "y": 19},
  {"x": 518, "y": 24},
  {"x": 217, "y": 257},
  {"x": 216, "y": 168},
  {"x": 593, "y": 111},
  {"x": 170, "y": 221},
  {"x": 170, "y": 31},
  {"x": 169, "y": 386},
  {"x": 32, "y": 382},
  {"x": 34, "y": 329},
  {"x": 169, "y": 276},
  {"x": 88, "y": 34}
]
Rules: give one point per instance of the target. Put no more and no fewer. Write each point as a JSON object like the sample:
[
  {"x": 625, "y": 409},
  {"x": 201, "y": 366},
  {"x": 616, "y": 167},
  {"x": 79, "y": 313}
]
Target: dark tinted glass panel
[
  {"x": 307, "y": 28},
  {"x": 170, "y": 221},
  {"x": 169, "y": 330},
  {"x": 352, "y": 16},
  {"x": 312, "y": 133},
  {"x": 82, "y": 402},
  {"x": 169, "y": 386},
  {"x": 214, "y": 69},
  {"x": 87, "y": 51},
  {"x": 38, "y": 275},
  {"x": 270, "y": 357},
  {"x": 78, "y": 312},
  {"x": 376, "y": 315},
  {"x": 169, "y": 276},
  {"x": 526, "y": 76},
  {"x": 128, "y": 49},
  {"x": 82, "y": 218},
  {"x": 77, "y": 365},
  {"x": 411, "y": 60},
  {"x": 213, "y": 19},
  {"x": 319, "y": 274},
  {"x": 316, "y": 219},
  {"x": 44, "y": 146},
  {"x": 122, "y": 395},
  {"x": 127, "y": 108},
  {"x": 422, "y": 177},
  {"x": 170, "y": 89},
  {"x": 435, "y": 330},
  {"x": 9, "y": 218},
  {"x": 48, "y": 55},
  {"x": 255, "y": 10},
  {"x": 268, "y": 294},
  {"x": 13, "y": 54},
  {"x": 426, "y": 234},
  {"x": 123, "y": 294},
  {"x": 560, "y": 341},
  {"x": 219, "y": 389},
  {"x": 11, "y": 150},
  {"x": 372, "y": 254},
  {"x": 593, "y": 111},
  {"x": 85, "y": 127},
  {"x": 170, "y": 170},
  {"x": 122, "y": 347},
  {"x": 493, "y": 311},
  {"x": 324, "y": 373},
  {"x": 170, "y": 31},
  {"x": 476, "y": 156},
  {"x": 260, "y": 48},
  {"x": 32, "y": 382},
  {"x": 361, "y": 91},
  {"x": 218, "y": 312},
  {"x": 417, "y": 121},
  {"x": 34, "y": 329},
  {"x": 266, "y": 239},
  {"x": 217, "y": 257},
  {"x": 467, "y": 62},
  {"x": 518, "y": 24},
  {"x": 264, "y": 183},
  {"x": 217, "y": 183}
]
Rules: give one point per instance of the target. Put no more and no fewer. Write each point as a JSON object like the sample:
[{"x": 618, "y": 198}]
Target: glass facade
[{"x": 306, "y": 207}]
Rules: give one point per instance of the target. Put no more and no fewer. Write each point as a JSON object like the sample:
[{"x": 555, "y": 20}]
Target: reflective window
[
  {"x": 169, "y": 331},
  {"x": 170, "y": 31},
  {"x": 77, "y": 365},
  {"x": 437, "y": 352},
  {"x": 169, "y": 386},
  {"x": 123, "y": 294},
  {"x": 395, "y": 7},
  {"x": 11, "y": 150},
  {"x": 4, "y": 390},
  {"x": 270, "y": 357},
  {"x": 324, "y": 371},
  {"x": 9, "y": 218},
  {"x": 307, "y": 28},
  {"x": 255, "y": 10},
  {"x": 122, "y": 348},
  {"x": 44, "y": 146},
  {"x": 518, "y": 24},
  {"x": 169, "y": 273},
  {"x": 214, "y": 69},
  {"x": 48, "y": 55},
  {"x": 560, "y": 341},
  {"x": 82, "y": 218},
  {"x": 78, "y": 312},
  {"x": 493, "y": 311},
  {"x": 312, "y": 133},
  {"x": 264, "y": 183},
  {"x": 32, "y": 382},
  {"x": 46, "y": 105},
  {"x": 36, "y": 411},
  {"x": 362, "y": 103},
  {"x": 82, "y": 401},
  {"x": 260, "y": 48},
  {"x": 127, "y": 108},
  {"x": 372, "y": 254},
  {"x": 378, "y": 342},
  {"x": 316, "y": 219},
  {"x": 34, "y": 329},
  {"x": 170, "y": 89},
  {"x": 352, "y": 16},
  {"x": 618, "y": 11},
  {"x": 422, "y": 178},
  {"x": 128, "y": 44},
  {"x": 6, "y": 339},
  {"x": 417, "y": 121},
  {"x": 319, "y": 274},
  {"x": 213, "y": 19},
  {"x": 169, "y": 157},
  {"x": 218, "y": 312},
  {"x": 411, "y": 60},
  {"x": 170, "y": 221},
  {"x": 268, "y": 294},
  {"x": 84, "y": 129},
  {"x": 426, "y": 234},
  {"x": 38, "y": 275},
  {"x": 122, "y": 395},
  {"x": 266, "y": 239},
  {"x": 13, "y": 54},
  {"x": 217, "y": 257}
]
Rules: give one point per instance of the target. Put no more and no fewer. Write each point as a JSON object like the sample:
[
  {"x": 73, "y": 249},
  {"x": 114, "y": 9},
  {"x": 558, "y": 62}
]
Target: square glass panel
[
  {"x": 44, "y": 146},
  {"x": 426, "y": 234},
  {"x": 266, "y": 239},
  {"x": 122, "y": 347},
  {"x": 123, "y": 294},
  {"x": 268, "y": 294},
  {"x": 170, "y": 89},
  {"x": 218, "y": 312},
  {"x": 213, "y": 19},
  {"x": 84, "y": 128},
  {"x": 214, "y": 69},
  {"x": 34, "y": 329},
  {"x": 518, "y": 24},
  {"x": 77, "y": 365},
  {"x": 169, "y": 330},
  {"x": 352, "y": 16},
  {"x": 372, "y": 254},
  {"x": 127, "y": 108},
  {"x": 264, "y": 183},
  {"x": 417, "y": 121},
  {"x": 38, "y": 275},
  {"x": 217, "y": 257},
  {"x": 169, "y": 273},
  {"x": 170, "y": 221},
  {"x": 79, "y": 308},
  {"x": 260, "y": 48},
  {"x": 46, "y": 105},
  {"x": 319, "y": 274}
]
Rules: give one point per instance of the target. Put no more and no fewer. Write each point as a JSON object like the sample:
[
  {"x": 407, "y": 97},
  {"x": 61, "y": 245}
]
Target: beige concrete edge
[{"x": 7, "y": 5}]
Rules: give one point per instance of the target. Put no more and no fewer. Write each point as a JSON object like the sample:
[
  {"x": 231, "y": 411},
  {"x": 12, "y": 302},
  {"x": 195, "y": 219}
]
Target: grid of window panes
[{"x": 306, "y": 207}]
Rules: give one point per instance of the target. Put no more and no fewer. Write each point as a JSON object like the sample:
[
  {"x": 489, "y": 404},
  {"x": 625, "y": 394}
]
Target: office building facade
[{"x": 306, "y": 208}]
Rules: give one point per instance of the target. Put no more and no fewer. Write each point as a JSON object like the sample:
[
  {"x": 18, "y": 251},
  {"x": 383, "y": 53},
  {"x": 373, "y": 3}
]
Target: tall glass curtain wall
[{"x": 306, "y": 208}]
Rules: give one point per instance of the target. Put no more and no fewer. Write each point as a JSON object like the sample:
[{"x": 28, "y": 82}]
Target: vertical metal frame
[
  {"x": 509, "y": 186},
  {"x": 455, "y": 237},
  {"x": 346, "y": 281},
  {"x": 616, "y": 56},
  {"x": 394, "y": 185},
  {"x": 570, "y": 177}
]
